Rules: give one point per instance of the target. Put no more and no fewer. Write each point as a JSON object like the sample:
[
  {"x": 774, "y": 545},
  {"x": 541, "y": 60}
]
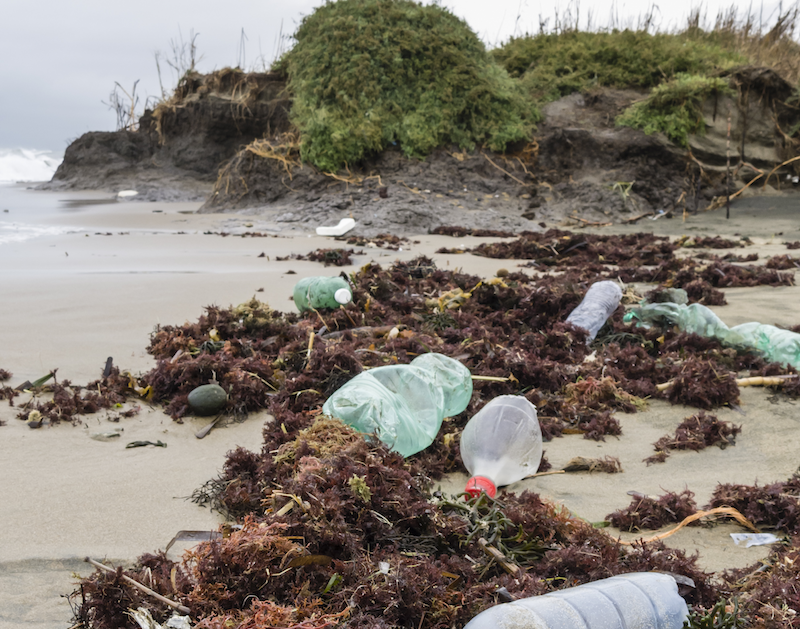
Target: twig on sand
[
  {"x": 696, "y": 516},
  {"x": 633, "y": 219},
  {"x": 588, "y": 223},
  {"x": 207, "y": 428},
  {"x": 181, "y": 608}
]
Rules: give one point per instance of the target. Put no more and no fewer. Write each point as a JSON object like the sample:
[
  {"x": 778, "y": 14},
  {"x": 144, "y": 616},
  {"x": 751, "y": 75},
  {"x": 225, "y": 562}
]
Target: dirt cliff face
[
  {"x": 178, "y": 148},
  {"x": 226, "y": 138}
]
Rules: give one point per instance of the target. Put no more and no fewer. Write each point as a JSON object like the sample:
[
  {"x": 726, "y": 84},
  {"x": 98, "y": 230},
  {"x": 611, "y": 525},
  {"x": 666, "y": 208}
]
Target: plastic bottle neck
[{"x": 477, "y": 484}]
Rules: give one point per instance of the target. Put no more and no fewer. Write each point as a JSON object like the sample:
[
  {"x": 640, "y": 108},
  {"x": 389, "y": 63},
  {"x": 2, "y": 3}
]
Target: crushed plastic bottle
[
  {"x": 599, "y": 303},
  {"x": 775, "y": 344},
  {"x": 638, "y": 600},
  {"x": 404, "y": 405},
  {"x": 501, "y": 444},
  {"x": 313, "y": 293}
]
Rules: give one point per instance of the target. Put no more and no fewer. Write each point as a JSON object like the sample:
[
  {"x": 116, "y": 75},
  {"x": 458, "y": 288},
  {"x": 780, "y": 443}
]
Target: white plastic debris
[
  {"x": 145, "y": 620},
  {"x": 754, "y": 539},
  {"x": 122, "y": 194},
  {"x": 344, "y": 226}
]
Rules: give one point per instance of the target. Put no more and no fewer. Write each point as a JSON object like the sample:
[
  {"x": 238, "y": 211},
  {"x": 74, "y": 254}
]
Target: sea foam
[{"x": 23, "y": 165}]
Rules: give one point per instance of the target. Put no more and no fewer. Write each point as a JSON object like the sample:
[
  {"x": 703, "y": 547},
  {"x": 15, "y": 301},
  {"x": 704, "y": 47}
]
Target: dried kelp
[
  {"x": 460, "y": 232},
  {"x": 606, "y": 464},
  {"x": 645, "y": 512},
  {"x": 381, "y": 241},
  {"x": 63, "y": 402},
  {"x": 696, "y": 433},
  {"x": 328, "y": 257},
  {"x": 766, "y": 592},
  {"x": 709, "y": 242},
  {"x": 784, "y": 261},
  {"x": 703, "y": 384},
  {"x": 775, "y": 505}
]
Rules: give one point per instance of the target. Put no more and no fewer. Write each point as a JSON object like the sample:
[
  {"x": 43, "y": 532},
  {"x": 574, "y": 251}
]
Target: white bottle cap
[{"x": 343, "y": 296}]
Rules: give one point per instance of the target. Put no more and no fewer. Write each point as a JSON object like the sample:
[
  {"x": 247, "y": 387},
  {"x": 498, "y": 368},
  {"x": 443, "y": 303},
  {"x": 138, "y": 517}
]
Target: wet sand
[{"x": 71, "y": 300}]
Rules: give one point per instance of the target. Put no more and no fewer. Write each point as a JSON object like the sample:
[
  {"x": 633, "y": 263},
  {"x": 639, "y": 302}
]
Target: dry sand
[{"x": 71, "y": 300}]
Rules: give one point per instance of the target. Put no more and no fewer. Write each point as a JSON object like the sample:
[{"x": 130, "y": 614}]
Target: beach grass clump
[
  {"x": 367, "y": 74},
  {"x": 552, "y": 65},
  {"x": 674, "y": 108}
]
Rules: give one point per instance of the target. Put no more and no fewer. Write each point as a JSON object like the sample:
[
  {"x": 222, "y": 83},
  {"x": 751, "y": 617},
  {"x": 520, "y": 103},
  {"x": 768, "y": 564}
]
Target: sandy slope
[{"x": 70, "y": 301}]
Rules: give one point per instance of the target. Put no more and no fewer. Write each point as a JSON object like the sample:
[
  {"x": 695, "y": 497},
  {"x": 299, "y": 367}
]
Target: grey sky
[{"x": 59, "y": 59}]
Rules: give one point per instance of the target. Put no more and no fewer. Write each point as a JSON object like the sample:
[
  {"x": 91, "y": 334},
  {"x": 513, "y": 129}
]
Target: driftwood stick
[
  {"x": 754, "y": 381},
  {"x": 637, "y": 218},
  {"x": 181, "y": 608},
  {"x": 498, "y": 557}
]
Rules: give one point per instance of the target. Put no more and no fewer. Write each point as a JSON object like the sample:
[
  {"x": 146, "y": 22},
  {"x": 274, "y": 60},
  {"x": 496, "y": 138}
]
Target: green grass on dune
[
  {"x": 550, "y": 66},
  {"x": 369, "y": 73}
]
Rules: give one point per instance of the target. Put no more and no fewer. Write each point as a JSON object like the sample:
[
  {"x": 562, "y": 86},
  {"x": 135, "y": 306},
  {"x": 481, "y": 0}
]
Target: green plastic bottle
[
  {"x": 775, "y": 344},
  {"x": 313, "y": 293},
  {"x": 403, "y": 405}
]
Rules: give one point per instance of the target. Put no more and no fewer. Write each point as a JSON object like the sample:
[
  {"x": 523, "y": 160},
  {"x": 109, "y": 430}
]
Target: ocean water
[
  {"x": 26, "y": 213},
  {"x": 27, "y": 165}
]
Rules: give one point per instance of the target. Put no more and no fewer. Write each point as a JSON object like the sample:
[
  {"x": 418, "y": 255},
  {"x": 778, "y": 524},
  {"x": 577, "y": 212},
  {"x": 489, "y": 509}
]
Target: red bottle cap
[{"x": 477, "y": 484}]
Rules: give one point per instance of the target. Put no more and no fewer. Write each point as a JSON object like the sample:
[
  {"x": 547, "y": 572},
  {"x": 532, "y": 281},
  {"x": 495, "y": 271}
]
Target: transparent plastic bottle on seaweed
[
  {"x": 501, "y": 444},
  {"x": 775, "y": 344},
  {"x": 321, "y": 292},
  {"x": 404, "y": 405},
  {"x": 638, "y": 600},
  {"x": 599, "y": 303}
]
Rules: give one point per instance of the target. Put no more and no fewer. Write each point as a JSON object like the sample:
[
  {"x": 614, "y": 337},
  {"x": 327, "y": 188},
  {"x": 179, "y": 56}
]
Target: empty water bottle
[
  {"x": 313, "y": 293},
  {"x": 404, "y": 405},
  {"x": 501, "y": 444},
  {"x": 775, "y": 344},
  {"x": 638, "y": 600},
  {"x": 599, "y": 303}
]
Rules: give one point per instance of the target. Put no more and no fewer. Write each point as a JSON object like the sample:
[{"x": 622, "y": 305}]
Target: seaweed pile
[
  {"x": 54, "y": 402},
  {"x": 329, "y": 257},
  {"x": 335, "y": 528},
  {"x": 696, "y": 433},
  {"x": 345, "y": 534}
]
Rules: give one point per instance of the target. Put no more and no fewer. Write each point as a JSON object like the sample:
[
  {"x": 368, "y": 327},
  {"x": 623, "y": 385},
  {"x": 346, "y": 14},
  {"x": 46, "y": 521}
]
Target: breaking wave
[{"x": 22, "y": 165}]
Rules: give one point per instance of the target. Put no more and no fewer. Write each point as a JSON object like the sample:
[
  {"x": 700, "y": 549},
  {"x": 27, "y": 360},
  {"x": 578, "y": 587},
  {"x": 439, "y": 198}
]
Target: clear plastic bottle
[
  {"x": 775, "y": 344},
  {"x": 639, "y": 600},
  {"x": 321, "y": 292},
  {"x": 404, "y": 405},
  {"x": 501, "y": 444},
  {"x": 599, "y": 303}
]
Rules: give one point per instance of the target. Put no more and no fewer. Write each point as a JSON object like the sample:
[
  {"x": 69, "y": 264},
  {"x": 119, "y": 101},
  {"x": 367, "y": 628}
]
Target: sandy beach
[{"x": 110, "y": 272}]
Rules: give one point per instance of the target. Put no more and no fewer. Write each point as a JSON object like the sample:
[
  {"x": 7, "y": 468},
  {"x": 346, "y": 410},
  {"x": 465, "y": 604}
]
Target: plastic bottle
[
  {"x": 639, "y": 600},
  {"x": 775, "y": 344},
  {"x": 321, "y": 292},
  {"x": 599, "y": 303},
  {"x": 501, "y": 444},
  {"x": 694, "y": 318},
  {"x": 404, "y": 405}
]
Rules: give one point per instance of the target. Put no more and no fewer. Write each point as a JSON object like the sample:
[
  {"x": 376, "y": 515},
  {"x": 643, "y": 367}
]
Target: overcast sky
[{"x": 59, "y": 59}]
